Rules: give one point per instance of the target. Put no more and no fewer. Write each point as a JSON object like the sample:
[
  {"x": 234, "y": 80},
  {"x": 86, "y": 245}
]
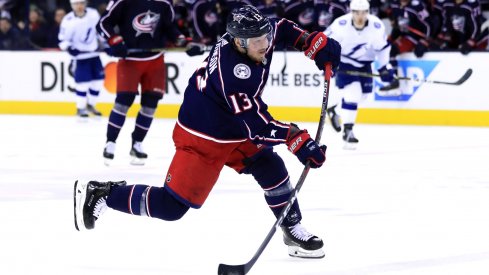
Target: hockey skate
[
  {"x": 334, "y": 118},
  {"x": 91, "y": 109},
  {"x": 350, "y": 140},
  {"x": 82, "y": 114},
  {"x": 138, "y": 155},
  {"x": 90, "y": 202},
  {"x": 301, "y": 243},
  {"x": 109, "y": 150}
]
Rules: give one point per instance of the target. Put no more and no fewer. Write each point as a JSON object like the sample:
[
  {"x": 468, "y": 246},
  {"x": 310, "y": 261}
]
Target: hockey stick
[
  {"x": 225, "y": 269},
  {"x": 460, "y": 81}
]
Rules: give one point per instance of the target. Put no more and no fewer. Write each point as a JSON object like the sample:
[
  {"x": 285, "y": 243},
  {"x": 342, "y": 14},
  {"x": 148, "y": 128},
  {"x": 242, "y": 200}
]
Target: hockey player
[
  {"x": 362, "y": 36},
  {"x": 462, "y": 21},
  {"x": 77, "y": 36},
  {"x": 142, "y": 25},
  {"x": 410, "y": 31},
  {"x": 224, "y": 121}
]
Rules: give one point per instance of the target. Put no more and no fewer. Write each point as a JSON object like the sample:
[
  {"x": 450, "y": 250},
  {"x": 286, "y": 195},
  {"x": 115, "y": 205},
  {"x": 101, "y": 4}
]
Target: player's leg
[
  {"x": 96, "y": 83},
  {"x": 81, "y": 73},
  {"x": 128, "y": 75},
  {"x": 352, "y": 94},
  {"x": 334, "y": 100},
  {"x": 190, "y": 178},
  {"x": 152, "y": 90},
  {"x": 270, "y": 172},
  {"x": 144, "y": 118}
]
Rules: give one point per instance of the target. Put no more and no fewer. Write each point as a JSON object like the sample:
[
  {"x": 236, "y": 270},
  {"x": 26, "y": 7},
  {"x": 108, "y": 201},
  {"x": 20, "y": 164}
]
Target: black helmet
[{"x": 247, "y": 22}]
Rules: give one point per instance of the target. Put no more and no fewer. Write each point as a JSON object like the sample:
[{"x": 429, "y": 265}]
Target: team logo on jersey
[
  {"x": 242, "y": 71},
  {"x": 145, "y": 23}
]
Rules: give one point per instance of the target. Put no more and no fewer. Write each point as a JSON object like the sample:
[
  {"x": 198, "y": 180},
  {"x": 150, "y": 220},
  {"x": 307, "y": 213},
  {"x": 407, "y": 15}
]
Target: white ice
[{"x": 410, "y": 200}]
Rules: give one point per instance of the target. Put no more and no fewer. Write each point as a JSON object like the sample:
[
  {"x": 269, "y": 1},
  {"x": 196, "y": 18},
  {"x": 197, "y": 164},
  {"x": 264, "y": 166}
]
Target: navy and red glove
[
  {"x": 322, "y": 50},
  {"x": 305, "y": 148},
  {"x": 117, "y": 47}
]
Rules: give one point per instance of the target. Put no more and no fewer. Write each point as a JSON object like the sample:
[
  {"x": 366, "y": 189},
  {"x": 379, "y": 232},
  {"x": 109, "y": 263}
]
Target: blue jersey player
[{"x": 223, "y": 121}]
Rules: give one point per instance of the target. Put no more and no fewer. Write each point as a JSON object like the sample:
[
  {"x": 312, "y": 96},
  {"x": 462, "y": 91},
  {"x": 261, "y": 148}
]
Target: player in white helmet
[
  {"x": 363, "y": 40},
  {"x": 77, "y": 36}
]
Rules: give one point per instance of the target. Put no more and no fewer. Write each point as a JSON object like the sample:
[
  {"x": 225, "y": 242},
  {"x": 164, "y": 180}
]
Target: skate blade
[
  {"x": 350, "y": 146},
  {"x": 295, "y": 251},
  {"x": 79, "y": 193},
  {"x": 137, "y": 161}
]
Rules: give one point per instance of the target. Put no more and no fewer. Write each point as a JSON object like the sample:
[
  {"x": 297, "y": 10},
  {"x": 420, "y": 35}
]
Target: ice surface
[{"x": 409, "y": 200}]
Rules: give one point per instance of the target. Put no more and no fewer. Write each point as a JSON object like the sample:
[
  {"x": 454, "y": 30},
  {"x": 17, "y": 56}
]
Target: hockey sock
[
  {"x": 144, "y": 200},
  {"x": 92, "y": 97},
  {"x": 81, "y": 99},
  {"x": 269, "y": 171},
  {"x": 143, "y": 122},
  {"x": 118, "y": 114}
]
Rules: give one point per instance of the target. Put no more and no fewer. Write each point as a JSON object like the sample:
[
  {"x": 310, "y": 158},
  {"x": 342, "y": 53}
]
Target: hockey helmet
[
  {"x": 359, "y": 5},
  {"x": 77, "y": 1},
  {"x": 247, "y": 22}
]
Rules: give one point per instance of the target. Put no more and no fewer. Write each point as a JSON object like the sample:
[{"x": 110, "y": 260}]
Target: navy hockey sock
[
  {"x": 145, "y": 200},
  {"x": 143, "y": 122},
  {"x": 269, "y": 171},
  {"x": 117, "y": 116}
]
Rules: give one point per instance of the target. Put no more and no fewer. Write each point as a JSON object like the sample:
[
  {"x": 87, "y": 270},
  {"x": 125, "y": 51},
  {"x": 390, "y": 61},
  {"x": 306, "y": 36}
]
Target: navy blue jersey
[
  {"x": 414, "y": 15},
  {"x": 205, "y": 19},
  {"x": 143, "y": 24},
  {"x": 222, "y": 101},
  {"x": 463, "y": 20},
  {"x": 301, "y": 12}
]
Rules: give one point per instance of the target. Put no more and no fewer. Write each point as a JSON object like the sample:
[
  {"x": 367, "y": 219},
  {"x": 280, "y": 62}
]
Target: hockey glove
[
  {"x": 305, "y": 148},
  {"x": 466, "y": 47},
  {"x": 73, "y": 52},
  {"x": 322, "y": 50},
  {"x": 421, "y": 48},
  {"x": 386, "y": 73},
  {"x": 117, "y": 47},
  {"x": 194, "y": 49}
]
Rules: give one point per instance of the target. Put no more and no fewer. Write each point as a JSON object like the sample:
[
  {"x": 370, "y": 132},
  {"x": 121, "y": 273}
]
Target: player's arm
[
  {"x": 65, "y": 34},
  {"x": 263, "y": 129},
  {"x": 316, "y": 45},
  {"x": 106, "y": 28}
]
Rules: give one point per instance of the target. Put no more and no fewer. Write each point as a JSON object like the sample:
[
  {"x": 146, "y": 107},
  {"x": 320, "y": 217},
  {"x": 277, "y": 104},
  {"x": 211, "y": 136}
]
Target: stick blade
[
  {"x": 464, "y": 78},
  {"x": 225, "y": 269}
]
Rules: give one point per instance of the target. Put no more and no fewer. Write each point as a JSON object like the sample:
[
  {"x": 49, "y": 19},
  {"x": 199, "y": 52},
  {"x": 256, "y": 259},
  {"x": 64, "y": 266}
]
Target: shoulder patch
[
  {"x": 242, "y": 71},
  {"x": 342, "y": 22},
  {"x": 377, "y": 25},
  {"x": 415, "y": 2}
]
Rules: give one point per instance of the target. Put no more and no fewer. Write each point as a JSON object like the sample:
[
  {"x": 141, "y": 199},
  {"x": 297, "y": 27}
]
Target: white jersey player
[
  {"x": 363, "y": 39},
  {"x": 78, "y": 36}
]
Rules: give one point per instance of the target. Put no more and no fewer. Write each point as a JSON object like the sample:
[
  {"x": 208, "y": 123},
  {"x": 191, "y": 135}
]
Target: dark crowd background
[{"x": 433, "y": 25}]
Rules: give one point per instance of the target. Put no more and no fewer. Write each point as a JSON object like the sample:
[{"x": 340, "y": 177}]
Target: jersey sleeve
[
  {"x": 65, "y": 34},
  {"x": 381, "y": 44},
  {"x": 287, "y": 33},
  {"x": 109, "y": 19}
]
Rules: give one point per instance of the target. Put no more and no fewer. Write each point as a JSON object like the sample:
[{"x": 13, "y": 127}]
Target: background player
[
  {"x": 143, "y": 25},
  {"x": 362, "y": 36},
  {"x": 78, "y": 36},
  {"x": 223, "y": 121}
]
